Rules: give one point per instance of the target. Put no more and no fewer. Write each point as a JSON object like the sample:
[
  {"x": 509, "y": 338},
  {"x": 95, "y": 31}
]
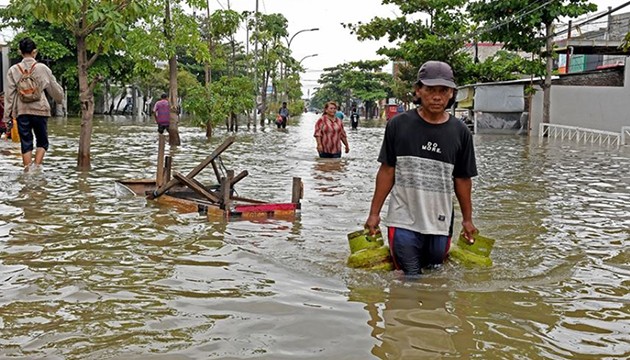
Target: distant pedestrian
[
  {"x": 329, "y": 133},
  {"x": 162, "y": 113},
  {"x": 128, "y": 104},
  {"x": 339, "y": 114},
  {"x": 283, "y": 115},
  {"x": 26, "y": 101},
  {"x": 354, "y": 118}
]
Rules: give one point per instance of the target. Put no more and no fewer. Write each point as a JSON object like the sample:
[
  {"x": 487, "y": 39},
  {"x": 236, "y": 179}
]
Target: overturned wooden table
[{"x": 187, "y": 194}]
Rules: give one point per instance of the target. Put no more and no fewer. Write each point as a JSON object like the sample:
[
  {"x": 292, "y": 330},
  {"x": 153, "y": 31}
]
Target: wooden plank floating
[
  {"x": 187, "y": 194},
  {"x": 197, "y": 187},
  {"x": 162, "y": 190},
  {"x": 159, "y": 179}
]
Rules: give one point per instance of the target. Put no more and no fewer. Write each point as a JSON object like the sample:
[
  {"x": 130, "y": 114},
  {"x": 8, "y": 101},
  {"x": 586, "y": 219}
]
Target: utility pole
[
  {"x": 256, "y": 64},
  {"x": 567, "y": 67},
  {"x": 284, "y": 69},
  {"x": 209, "y": 30},
  {"x": 549, "y": 70},
  {"x": 173, "y": 131}
]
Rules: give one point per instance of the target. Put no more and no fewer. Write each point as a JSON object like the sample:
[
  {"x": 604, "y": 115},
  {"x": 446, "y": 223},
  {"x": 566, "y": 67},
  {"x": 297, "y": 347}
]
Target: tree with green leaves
[
  {"x": 362, "y": 80},
  {"x": 222, "y": 25},
  {"x": 504, "y": 65},
  {"x": 331, "y": 88},
  {"x": 217, "y": 101},
  {"x": 416, "y": 39},
  {"x": 57, "y": 48},
  {"x": 527, "y": 26},
  {"x": 365, "y": 80},
  {"x": 98, "y": 28},
  {"x": 268, "y": 30}
]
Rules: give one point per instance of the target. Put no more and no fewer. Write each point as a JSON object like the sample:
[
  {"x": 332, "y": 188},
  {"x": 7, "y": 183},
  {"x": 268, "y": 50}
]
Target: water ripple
[{"x": 89, "y": 272}]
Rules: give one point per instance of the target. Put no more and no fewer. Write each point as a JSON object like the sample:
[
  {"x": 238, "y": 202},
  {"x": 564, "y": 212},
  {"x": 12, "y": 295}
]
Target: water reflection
[
  {"x": 86, "y": 272},
  {"x": 407, "y": 325},
  {"x": 327, "y": 174},
  {"x": 325, "y": 167}
]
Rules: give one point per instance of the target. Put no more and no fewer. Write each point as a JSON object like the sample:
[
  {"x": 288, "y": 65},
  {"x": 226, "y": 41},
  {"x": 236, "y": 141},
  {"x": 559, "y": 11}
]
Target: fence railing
[
  {"x": 583, "y": 135},
  {"x": 625, "y": 135}
]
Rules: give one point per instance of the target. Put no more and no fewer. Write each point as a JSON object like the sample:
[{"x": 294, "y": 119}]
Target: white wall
[
  {"x": 4, "y": 51},
  {"x": 604, "y": 108}
]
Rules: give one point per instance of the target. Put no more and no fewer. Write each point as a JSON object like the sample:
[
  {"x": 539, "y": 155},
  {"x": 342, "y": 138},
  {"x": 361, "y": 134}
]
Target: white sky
[{"x": 333, "y": 44}]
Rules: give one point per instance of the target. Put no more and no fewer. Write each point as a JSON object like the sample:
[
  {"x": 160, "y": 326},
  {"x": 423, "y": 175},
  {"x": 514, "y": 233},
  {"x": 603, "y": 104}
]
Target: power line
[
  {"x": 593, "y": 18},
  {"x": 506, "y": 22}
]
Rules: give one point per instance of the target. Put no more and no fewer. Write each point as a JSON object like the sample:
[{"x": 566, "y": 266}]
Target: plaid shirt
[{"x": 331, "y": 133}]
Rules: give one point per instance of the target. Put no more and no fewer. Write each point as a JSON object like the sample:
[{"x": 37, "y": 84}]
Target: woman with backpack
[{"x": 26, "y": 101}]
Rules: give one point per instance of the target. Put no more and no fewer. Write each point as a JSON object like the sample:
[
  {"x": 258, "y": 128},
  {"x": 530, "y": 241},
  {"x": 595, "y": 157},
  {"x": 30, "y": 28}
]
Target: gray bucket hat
[{"x": 436, "y": 73}]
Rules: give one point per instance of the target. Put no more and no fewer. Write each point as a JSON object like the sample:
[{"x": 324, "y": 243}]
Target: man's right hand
[{"x": 372, "y": 224}]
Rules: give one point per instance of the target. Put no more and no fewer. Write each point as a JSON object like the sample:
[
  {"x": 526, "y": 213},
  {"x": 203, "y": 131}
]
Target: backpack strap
[{"x": 23, "y": 71}]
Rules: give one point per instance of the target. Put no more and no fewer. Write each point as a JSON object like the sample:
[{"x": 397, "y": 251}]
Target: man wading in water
[{"x": 425, "y": 153}]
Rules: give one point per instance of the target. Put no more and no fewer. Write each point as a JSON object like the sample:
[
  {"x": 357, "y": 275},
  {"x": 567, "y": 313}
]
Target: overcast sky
[{"x": 332, "y": 43}]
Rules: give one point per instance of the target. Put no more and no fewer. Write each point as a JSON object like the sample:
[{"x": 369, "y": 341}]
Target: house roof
[
  {"x": 590, "y": 46},
  {"x": 508, "y": 82}
]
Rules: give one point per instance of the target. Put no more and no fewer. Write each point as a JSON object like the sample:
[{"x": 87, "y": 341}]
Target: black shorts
[
  {"x": 324, "y": 155},
  {"x": 29, "y": 124},
  {"x": 161, "y": 128}
]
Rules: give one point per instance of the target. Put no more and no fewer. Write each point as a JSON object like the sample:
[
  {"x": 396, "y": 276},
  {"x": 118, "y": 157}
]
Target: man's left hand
[{"x": 468, "y": 230}]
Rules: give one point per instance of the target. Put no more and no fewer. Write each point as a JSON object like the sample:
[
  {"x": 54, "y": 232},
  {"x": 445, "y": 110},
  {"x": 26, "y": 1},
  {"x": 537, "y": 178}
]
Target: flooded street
[{"x": 88, "y": 273}]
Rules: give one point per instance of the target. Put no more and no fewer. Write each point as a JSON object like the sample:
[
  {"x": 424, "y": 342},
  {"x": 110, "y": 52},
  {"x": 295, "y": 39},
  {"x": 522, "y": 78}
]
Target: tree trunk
[
  {"x": 208, "y": 130},
  {"x": 111, "y": 106},
  {"x": 145, "y": 106},
  {"x": 233, "y": 122},
  {"x": 106, "y": 97},
  {"x": 263, "y": 96},
  {"x": 123, "y": 94},
  {"x": 86, "y": 98},
  {"x": 136, "y": 109},
  {"x": 547, "y": 85},
  {"x": 173, "y": 131}
]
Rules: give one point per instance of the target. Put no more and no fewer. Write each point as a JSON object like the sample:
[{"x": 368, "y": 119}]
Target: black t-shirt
[
  {"x": 427, "y": 157},
  {"x": 407, "y": 134}
]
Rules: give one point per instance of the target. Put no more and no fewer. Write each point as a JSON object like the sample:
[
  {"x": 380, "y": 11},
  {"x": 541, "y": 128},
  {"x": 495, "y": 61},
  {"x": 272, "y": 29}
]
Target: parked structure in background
[
  {"x": 483, "y": 50},
  {"x": 592, "y": 46},
  {"x": 588, "y": 96}
]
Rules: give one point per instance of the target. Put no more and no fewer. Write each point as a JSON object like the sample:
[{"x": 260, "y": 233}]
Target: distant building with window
[
  {"x": 483, "y": 50},
  {"x": 592, "y": 46}
]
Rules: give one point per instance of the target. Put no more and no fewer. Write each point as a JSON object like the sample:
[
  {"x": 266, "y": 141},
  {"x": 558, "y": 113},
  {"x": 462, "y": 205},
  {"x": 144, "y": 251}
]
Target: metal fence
[
  {"x": 584, "y": 135},
  {"x": 625, "y": 135}
]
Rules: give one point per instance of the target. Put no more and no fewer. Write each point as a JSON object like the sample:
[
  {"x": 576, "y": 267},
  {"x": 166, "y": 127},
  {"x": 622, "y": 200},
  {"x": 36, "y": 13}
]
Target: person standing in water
[
  {"x": 426, "y": 152},
  {"x": 354, "y": 118},
  {"x": 330, "y": 134},
  {"x": 27, "y": 84},
  {"x": 162, "y": 113},
  {"x": 283, "y": 112}
]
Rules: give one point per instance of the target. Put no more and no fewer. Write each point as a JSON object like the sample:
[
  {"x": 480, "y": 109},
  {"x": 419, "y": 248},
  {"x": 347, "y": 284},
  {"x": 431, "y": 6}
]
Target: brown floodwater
[{"x": 87, "y": 272}]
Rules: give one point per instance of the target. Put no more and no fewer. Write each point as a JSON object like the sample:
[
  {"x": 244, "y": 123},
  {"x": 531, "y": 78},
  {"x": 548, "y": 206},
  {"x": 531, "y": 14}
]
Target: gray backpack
[{"x": 27, "y": 88}]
